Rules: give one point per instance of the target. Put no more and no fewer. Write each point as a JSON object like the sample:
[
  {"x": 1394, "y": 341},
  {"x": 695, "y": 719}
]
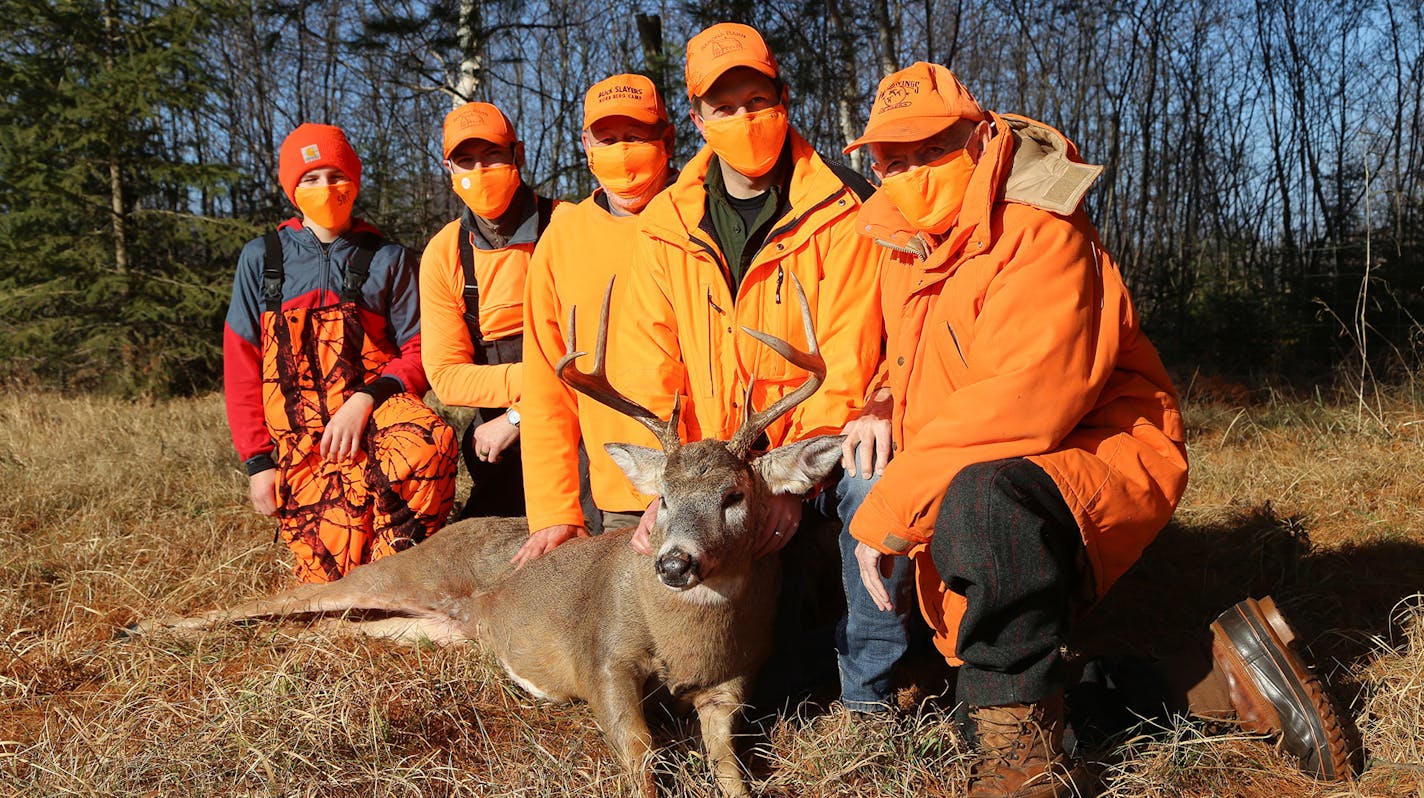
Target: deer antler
[
  {"x": 594, "y": 384},
  {"x": 756, "y": 423}
]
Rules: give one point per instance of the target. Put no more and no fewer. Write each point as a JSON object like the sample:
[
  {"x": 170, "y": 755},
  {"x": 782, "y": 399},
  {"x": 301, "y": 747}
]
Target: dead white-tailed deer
[{"x": 594, "y": 619}]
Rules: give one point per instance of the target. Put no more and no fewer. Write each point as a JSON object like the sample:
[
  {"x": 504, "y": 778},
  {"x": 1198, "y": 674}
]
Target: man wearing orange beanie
[
  {"x": 322, "y": 374},
  {"x": 472, "y": 299},
  {"x": 628, "y": 140}
]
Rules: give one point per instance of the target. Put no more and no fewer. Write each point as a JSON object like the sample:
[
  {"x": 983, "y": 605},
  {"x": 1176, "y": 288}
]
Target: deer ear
[
  {"x": 798, "y": 467},
  {"x": 643, "y": 466}
]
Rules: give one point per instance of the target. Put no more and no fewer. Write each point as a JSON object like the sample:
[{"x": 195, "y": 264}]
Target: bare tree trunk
[
  {"x": 650, "y": 37},
  {"x": 880, "y": 10},
  {"x": 116, "y": 176},
  {"x": 471, "y": 61},
  {"x": 848, "y": 97}
]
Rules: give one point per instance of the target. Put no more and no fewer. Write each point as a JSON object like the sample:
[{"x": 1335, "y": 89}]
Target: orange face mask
[
  {"x": 629, "y": 168},
  {"x": 327, "y": 206},
  {"x": 931, "y": 196},
  {"x": 749, "y": 143},
  {"x": 487, "y": 190}
]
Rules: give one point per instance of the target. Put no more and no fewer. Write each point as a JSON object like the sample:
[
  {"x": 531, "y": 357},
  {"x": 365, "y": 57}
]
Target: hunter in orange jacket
[
  {"x": 322, "y": 375},
  {"x": 472, "y": 299},
  {"x": 627, "y": 137},
  {"x": 753, "y": 215},
  {"x": 1011, "y": 342}
]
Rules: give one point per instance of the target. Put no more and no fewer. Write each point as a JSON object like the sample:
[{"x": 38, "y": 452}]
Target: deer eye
[{"x": 733, "y": 498}]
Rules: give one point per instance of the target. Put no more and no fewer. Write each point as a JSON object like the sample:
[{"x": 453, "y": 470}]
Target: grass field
[{"x": 115, "y": 511}]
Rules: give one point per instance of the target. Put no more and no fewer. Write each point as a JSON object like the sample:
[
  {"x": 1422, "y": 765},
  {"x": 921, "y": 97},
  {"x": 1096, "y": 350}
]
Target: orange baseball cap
[
  {"x": 722, "y": 47},
  {"x": 632, "y": 96},
  {"x": 477, "y": 121},
  {"x": 916, "y": 103}
]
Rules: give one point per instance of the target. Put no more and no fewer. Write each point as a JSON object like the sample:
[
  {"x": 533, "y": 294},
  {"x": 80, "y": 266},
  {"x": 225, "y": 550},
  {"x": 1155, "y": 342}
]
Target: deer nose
[{"x": 677, "y": 569}]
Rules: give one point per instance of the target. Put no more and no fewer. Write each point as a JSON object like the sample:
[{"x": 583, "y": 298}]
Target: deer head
[{"x": 709, "y": 491}]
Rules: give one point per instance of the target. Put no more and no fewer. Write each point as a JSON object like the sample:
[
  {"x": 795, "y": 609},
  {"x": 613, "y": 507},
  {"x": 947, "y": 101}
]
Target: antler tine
[
  {"x": 810, "y": 360},
  {"x": 594, "y": 384}
]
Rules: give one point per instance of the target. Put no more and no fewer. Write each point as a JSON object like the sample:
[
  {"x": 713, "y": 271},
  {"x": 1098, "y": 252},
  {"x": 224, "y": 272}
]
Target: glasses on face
[
  {"x": 902, "y": 157},
  {"x": 465, "y": 160}
]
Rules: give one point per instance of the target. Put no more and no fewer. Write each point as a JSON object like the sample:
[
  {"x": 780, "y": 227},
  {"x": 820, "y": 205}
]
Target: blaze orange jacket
[
  {"x": 449, "y": 354},
  {"x": 686, "y": 335},
  {"x": 1014, "y": 336},
  {"x": 583, "y": 247}
]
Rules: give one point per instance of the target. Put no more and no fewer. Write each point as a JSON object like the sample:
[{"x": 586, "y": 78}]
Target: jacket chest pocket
[{"x": 947, "y": 352}]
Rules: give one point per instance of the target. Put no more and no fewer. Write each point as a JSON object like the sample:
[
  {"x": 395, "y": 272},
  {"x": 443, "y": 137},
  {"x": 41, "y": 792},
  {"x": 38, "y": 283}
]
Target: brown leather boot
[
  {"x": 1021, "y": 752},
  {"x": 1275, "y": 691}
]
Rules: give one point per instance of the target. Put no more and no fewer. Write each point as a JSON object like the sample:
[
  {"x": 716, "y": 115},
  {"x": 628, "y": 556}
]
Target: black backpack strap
[
  {"x": 852, "y": 179},
  {"x": 272, "y": 273},
  {"x": 472, "y": 289},
  {"x": 360, "y": 266},
  {"x": 544, "y": 207}
]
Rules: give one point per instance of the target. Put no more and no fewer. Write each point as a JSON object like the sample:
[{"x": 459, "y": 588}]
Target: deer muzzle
[{"x": 678, "y": 568}]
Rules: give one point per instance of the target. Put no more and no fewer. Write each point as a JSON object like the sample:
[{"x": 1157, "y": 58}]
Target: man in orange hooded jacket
[
  {"x": 628, "y": 140},
  {"x": 1039, "y": 445},
  {"x": 472, "y": 299},
  {"x": 718, "y": 250}
]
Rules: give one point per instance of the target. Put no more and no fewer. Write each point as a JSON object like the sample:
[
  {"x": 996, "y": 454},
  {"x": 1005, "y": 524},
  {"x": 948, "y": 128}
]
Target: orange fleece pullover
[
  {"x": 449, "y": 354},
  {"x": 584, "y": 246}
]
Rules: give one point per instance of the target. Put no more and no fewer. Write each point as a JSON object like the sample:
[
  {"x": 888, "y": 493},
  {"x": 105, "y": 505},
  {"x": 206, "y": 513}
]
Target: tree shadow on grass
[
  {"x": 1153, "y": 626},
  {"x": 1338, "y": 599}
]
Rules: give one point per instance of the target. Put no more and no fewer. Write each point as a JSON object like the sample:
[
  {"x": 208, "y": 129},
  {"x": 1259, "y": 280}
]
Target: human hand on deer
[
  {"x": 493, "y": 437},
  {"x": 780, "y": 515},
  {"x": 866, "y": 449},
  {"x": 262, "y": 489},
  {"x": 545, "y": 541},
  {"x": 874, "y": 570},
  {"x": 640, "y": 541},
  {"x": 341, "y": 439}
]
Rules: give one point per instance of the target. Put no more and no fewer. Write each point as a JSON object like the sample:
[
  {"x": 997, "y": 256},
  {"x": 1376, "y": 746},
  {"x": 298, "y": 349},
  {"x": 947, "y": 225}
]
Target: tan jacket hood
[{"x": 1047, "y": 172}]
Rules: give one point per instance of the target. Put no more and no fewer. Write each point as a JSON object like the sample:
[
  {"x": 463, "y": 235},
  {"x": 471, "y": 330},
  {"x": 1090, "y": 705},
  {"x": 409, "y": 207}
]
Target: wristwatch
[{"x": 513, "y": 416}]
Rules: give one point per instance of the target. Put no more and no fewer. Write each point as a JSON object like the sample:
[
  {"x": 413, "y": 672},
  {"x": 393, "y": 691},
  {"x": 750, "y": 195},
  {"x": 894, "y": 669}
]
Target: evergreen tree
[{"x": 112, "y": 281}]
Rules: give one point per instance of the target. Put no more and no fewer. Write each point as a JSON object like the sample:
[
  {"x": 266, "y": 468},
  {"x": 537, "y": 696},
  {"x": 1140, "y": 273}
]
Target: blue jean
[{"x": 869, "y": 641}]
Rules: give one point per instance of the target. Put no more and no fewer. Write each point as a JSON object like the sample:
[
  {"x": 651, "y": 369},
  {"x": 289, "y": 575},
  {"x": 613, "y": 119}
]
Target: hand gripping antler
[
  {"x": 594, "y": 384},
  {"x": 755, "y": 424}
]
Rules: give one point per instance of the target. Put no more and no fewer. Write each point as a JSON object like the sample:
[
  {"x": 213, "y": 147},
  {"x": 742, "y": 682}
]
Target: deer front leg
[
  {"x": 717, "y": 709},
  {"x": 618, "y": 705}
]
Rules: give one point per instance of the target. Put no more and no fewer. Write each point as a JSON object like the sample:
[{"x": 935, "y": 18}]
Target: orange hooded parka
[
  {"x": 1014, "y": 336},
  {"x": 686, "y": 337}
]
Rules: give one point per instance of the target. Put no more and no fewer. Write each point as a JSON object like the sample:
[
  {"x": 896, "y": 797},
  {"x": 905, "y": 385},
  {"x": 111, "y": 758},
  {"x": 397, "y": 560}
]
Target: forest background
[{"x": 1264, "y": 190}]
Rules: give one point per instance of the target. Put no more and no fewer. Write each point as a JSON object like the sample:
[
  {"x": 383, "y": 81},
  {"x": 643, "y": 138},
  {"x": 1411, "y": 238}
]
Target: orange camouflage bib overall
[{"x": 399, "y": 487}]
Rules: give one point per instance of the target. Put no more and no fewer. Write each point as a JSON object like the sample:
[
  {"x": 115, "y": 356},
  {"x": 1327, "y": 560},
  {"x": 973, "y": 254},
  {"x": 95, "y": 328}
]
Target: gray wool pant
[{"x": 1006, "y": 540}]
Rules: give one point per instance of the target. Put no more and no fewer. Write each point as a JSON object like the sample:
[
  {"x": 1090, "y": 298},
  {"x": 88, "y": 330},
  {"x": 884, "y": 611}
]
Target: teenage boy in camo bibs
[{"x": 322, "y": 375}]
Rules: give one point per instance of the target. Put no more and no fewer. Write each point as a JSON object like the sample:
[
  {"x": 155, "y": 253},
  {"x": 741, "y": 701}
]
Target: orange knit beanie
[{"x": 312, "y": 146}]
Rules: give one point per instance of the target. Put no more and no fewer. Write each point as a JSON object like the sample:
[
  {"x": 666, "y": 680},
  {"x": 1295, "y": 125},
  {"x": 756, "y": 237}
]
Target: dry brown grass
[{"x": 115, "y": 511}]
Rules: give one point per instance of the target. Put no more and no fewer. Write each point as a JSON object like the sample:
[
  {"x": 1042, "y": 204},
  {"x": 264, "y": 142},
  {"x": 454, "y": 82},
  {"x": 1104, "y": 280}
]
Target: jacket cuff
[
  {"x": 871, "y": 522},
  {"x": 381, "y": 389},
  {"x": 259, "y": 463}
]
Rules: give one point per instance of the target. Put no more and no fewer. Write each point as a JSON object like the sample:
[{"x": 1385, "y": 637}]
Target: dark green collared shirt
[{"x": 740, "y": 226}]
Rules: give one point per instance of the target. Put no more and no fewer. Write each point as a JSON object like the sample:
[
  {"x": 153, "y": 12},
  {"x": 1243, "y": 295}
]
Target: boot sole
[{"x": 1275, "y": 692}]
